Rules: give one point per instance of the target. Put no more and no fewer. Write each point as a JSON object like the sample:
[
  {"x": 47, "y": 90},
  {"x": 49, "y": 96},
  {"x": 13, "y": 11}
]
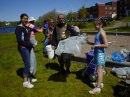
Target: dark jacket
[
  {"x": 55, "y": 41},
  {"x": 23, "y": 36}
]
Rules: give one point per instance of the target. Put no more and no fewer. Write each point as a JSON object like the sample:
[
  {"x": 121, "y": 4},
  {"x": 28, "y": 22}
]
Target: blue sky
[{"x": 10, "y": 10}]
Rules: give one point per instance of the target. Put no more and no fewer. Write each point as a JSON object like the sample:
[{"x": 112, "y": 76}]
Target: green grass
[
  {"x": 120, "y": 29},
  {"x": 126, "y": 19},
  {"x": 91, "y": 28},
  {"x": 49, "y": 84}
]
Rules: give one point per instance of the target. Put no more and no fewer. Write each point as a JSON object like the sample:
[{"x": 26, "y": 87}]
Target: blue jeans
[
  {"x": 25, "y": 53},
  {"x": 46, "y": 42}
]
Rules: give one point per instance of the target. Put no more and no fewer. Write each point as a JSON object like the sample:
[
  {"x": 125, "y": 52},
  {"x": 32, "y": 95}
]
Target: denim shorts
[{"x": 99, "y": 58}]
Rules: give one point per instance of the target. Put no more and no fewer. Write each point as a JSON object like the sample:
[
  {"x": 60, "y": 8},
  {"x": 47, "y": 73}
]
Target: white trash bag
[
  {"x": 50, "y": 51},
  {"x": 71, "y": 45}
]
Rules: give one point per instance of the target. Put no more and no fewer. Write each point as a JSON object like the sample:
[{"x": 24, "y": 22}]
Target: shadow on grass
[
  {"x": 120, "y": 91},
  {"x": 113, "y": 73},
  {"x": 62, "y": 77},
  {"x": 20, "y": 72},
  {"x": 57, "y": 77},
  {"x": 85, "y": 79},
  {"x": 53, "y": 66}
]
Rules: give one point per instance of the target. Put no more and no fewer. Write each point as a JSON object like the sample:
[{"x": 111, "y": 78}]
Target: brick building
[
  {"x": 108, "y": 9},
  {"x": 121, "y": 8}
]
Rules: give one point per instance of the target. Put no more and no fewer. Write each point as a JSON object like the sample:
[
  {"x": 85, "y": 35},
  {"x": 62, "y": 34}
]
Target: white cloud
[{"x": 62, "y": 11}]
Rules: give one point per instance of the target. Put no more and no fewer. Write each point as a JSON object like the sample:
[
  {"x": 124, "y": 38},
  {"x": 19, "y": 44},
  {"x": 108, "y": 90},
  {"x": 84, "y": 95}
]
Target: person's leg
[
  {"x": 45, "y": 44},
  {"x": 99, "y": 59},
  {"x": 97, "y": 88},
  {"x": 61, "y": 62},
  {"x": 26, "y": 59},
  {"x": 100, "y": 76},
  {"x": 67, "y": 61},
  {"x": 100, "y": 64}
]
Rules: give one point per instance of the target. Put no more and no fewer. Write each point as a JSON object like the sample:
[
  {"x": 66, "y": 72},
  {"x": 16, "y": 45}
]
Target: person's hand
[
  {"x": 53, "y": 47},
  {"x": 87, "y": 41},
  {"x": 41, "y": 29},
  {"x": 93, "y": 47}
]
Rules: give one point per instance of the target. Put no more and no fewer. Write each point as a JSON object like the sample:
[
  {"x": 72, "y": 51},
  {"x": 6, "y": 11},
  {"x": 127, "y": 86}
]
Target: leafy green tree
[
  {"x": 70, "y": 16},
  {"x": 38, "y": 22},
  {"x": 49, "y": 15},
  {"x": 82, "y": 12},
  {"x": 2, "y": 24}
]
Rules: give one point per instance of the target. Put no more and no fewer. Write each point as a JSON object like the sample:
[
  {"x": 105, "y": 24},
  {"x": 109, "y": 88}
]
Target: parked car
[{"x": 107, "y": 18}]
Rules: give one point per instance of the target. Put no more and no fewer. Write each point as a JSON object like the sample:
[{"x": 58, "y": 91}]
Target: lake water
[{"x": 7, "y": 29}]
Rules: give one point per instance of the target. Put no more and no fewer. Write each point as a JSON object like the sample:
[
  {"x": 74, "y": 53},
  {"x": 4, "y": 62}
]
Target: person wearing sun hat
[
  {"x": 33, "y": 62},
  {"x": 31, "y": 19},
  {"x": 31, "y": 25}
]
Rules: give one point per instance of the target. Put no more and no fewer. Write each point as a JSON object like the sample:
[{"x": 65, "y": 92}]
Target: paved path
[{"x": 117, "y": 43}]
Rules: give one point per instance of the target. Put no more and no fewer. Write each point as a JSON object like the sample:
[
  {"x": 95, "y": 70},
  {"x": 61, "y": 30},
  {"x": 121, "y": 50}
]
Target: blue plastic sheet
[{"x": 116, "y": 56}]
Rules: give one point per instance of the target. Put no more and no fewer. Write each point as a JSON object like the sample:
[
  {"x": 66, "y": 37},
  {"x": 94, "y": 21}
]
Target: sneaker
[
  {"x": 95, "y": 91},
  {"x": 28, "y": 84},
  {"x": 32, "y": 79},
  {"x": 95, "y": 84}
]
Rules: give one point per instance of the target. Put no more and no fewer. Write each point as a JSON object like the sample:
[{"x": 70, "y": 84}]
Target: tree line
[{"x": 82, "y": 14}]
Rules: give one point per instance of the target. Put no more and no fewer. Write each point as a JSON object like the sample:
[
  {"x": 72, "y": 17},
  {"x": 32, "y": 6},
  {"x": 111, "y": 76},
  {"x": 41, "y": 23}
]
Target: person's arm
[
  {"x": 73, "y": 33},
  {"x": 90, "y": 43},
  {"x": 19, "y": 36},
  {"x": 34, "y": 28},
  {"x": 37, "y": 29},
  {"x": 54, "y": 35}
]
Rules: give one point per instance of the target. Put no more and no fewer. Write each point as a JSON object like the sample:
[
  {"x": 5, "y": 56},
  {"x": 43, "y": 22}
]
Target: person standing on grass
[
  {"x": 48, "y": 39},
  {"x": 33, "y": 62},
  {"x": 62, "y": 31},
  {"x": 24, "y": 47},
  {"x": 100, "y": 43}
]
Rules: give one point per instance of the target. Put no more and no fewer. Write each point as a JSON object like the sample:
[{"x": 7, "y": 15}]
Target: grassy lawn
[
  {"x": 126, "y": 19},
  {"x": 90, "y": 26},
  {"x": 120, "y": 29},
  {"x": 49, "y": 84}
]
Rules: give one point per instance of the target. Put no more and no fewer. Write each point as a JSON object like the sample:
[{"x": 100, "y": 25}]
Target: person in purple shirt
[{"x": 33, "y": 63}]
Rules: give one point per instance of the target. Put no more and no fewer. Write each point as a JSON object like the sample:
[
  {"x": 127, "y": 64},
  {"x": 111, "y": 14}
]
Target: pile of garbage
[
  {"x": 122, "y": 56},
  {"x": 123, "y": 73}
]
